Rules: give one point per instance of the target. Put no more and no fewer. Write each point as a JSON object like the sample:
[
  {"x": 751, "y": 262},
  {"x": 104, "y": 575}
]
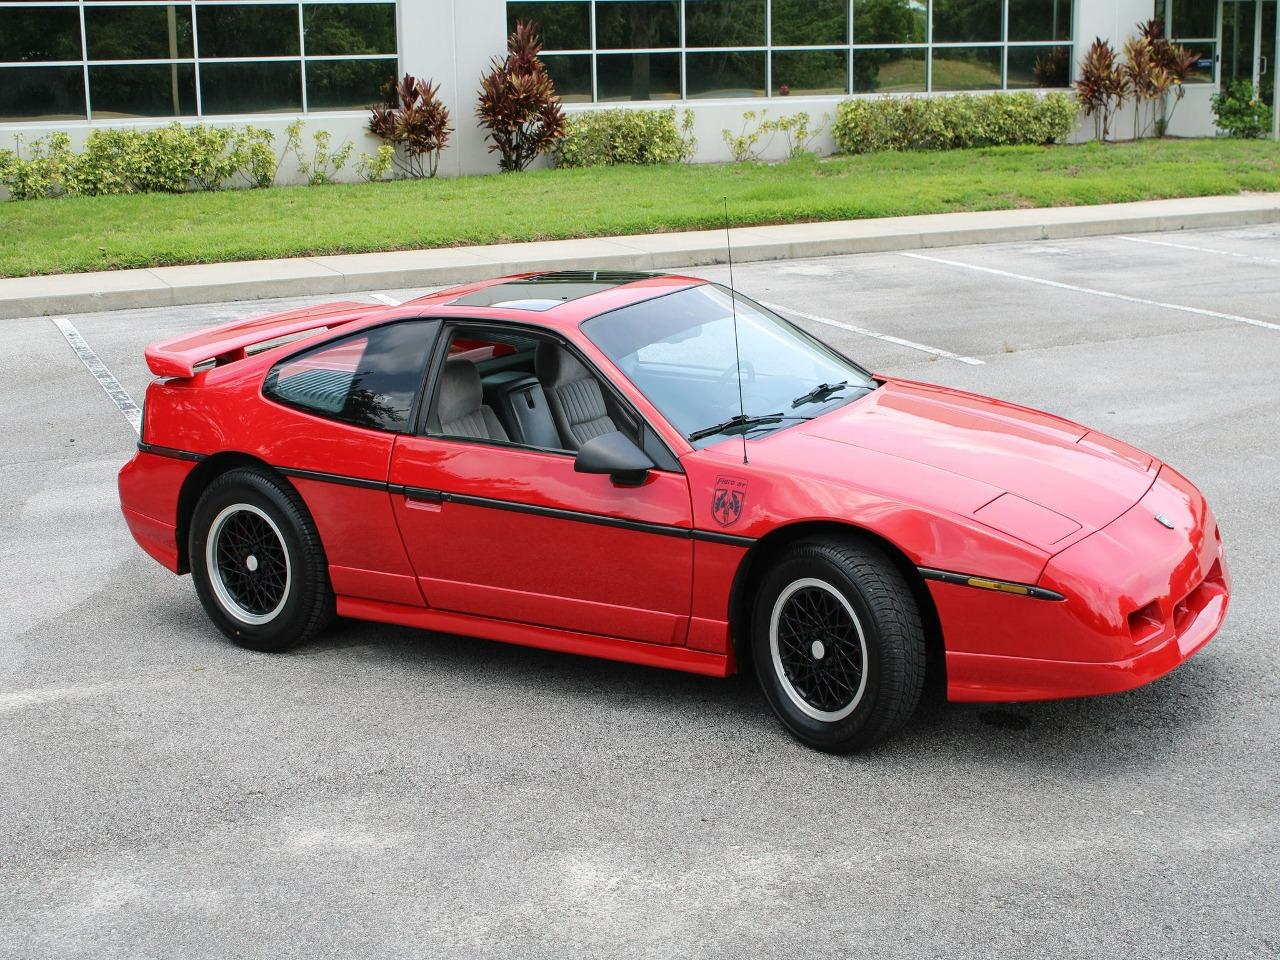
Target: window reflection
[
  {"x": 728, "y": 73},
  {"x": 1039, "y": 67},
  {"x": 966, "y": 21},
  {"x": 139, "y": 33},
  {"x": 724, "y": 23},
  {"x": 890, "y": 21},
  {"x": 966, "y": 68},
  {"x": 143, "y": 90},
  {"x": 809, "y": 23},
  {"x": 889, "y": 71},
  {"x": 638, "y": 76},
  {"x": 810, "y": 72},
  {"x": 637, "y": 24}
]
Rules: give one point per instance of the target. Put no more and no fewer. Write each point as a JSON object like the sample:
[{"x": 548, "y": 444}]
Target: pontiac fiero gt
[{"x": 654, "y": 470}]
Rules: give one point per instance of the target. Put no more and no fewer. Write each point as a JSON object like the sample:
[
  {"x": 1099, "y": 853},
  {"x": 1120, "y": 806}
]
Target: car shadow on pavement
[{"x": 1128, "y": 728}]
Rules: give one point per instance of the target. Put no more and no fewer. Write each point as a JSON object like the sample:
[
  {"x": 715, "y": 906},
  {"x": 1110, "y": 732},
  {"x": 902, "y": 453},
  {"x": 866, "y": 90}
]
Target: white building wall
[{"x": 452, "y": 41}]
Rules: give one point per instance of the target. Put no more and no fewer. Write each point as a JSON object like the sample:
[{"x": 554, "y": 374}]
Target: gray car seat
[
  {"x": 461, "y": 408},
  {"x": 577, "y": 403}
]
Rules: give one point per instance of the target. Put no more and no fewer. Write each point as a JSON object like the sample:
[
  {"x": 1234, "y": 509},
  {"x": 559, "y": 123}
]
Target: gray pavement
[{"x": 390, "y": 793}]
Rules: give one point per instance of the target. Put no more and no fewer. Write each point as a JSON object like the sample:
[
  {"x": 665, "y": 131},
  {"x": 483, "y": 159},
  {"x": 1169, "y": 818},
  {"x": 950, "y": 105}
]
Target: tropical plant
[
  {"x": 1147, "y": 80},
  {"x": 414, "y": 122},
  {"x": 1240, "y": 112},
  {"x": 1177, "y": 63},
  {"x": 518, "y": 103},
  {"x": 1103, "y": 87}
]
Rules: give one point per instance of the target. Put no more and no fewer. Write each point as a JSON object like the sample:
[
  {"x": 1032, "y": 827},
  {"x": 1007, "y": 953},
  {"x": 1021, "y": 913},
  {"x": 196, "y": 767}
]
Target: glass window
[
  {"x": 724, "y": 23},
  {"x": 637, "y": 24},
  {"x": 259, "y": 30},
  {"x": 143, "y": 90},
  {"x": 810, "y": 72},
  {"x": 346, "y": 84},
  {"x": 138, "y": 33},
  {"x": 809, "y": 23},
  {"x": 369, "y": 379},
  {"x": 638, "y": 76},
  {"x": 571, "y": 76},
  {"x": 39, "y": 33},
  {"x": 562, "y": 25},
  {"x": 889, "y": 71},
  {"x": 729, "y": 73},
  {"x": 41, "y": 93},
  {"x": 1039, "y": 67},
  {"x": 676, "y": 349},
  {"x": 966, "y": 68},
  {"x": 1202, "y": 72},
  {"x": 966, "y": 21},
  {"x": 1039, "y": 19},
  {"x": 890, "y": 21},
  {"x": 271, "y": 87},
  {"x": 1193, "y": 18},
  {"x": 346, "y": 28}
]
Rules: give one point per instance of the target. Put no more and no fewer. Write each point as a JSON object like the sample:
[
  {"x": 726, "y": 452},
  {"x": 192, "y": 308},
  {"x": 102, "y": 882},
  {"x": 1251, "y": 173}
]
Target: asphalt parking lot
[{"x": 390, "y": 793}]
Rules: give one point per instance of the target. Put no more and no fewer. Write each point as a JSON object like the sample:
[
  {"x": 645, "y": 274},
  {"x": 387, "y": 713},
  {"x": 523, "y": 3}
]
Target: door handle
[
  {"x": 422, "y": 495},
  {"x": 1262, "y": 66}
]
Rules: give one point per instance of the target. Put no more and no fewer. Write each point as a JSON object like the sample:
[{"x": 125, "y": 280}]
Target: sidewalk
[{"x": 308, "y": 276}]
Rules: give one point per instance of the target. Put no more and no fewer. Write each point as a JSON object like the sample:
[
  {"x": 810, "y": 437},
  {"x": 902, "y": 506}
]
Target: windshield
[{"x": 679, "y": 351}]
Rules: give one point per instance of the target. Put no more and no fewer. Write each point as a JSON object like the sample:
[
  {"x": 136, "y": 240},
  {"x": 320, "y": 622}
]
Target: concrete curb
[{"x": 310, "y": 276}]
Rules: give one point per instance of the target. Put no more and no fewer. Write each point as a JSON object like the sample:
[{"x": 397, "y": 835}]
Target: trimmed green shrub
[
  {"x": 1239, "y": 112},
  {"x": 953, "y": 122},
  {"x": 603, "y": 138},
  {"x": 170, "y": 159}
]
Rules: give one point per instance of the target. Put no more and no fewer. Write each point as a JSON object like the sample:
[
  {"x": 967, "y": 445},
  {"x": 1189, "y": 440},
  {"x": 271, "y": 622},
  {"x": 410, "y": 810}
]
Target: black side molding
[{"x": 170, "y": 452}]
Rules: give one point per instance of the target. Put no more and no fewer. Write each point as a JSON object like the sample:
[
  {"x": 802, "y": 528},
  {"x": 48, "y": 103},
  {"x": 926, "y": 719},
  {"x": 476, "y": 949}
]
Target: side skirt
[{"x": 545, "y": 638}]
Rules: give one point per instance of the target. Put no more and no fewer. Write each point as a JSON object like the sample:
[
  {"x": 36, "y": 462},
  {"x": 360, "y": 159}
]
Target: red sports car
[{"x": 650, "y": 469}]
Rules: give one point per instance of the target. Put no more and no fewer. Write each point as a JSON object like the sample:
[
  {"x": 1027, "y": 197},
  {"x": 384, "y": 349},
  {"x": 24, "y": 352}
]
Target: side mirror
[{"x": 612, "y": 453}]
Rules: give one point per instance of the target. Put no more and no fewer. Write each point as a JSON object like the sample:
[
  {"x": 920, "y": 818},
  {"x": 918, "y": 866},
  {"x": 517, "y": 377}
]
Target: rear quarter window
[{"x": 369, "y": 379}]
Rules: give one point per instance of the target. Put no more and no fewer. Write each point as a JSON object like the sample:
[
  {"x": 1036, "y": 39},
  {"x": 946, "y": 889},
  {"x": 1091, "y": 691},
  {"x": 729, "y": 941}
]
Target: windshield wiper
[
  {"x": 742, "y": 422},
  {"x": 821, "y": 392}
]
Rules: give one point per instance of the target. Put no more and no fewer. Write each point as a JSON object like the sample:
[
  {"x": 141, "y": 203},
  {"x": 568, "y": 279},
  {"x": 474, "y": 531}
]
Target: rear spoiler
[{"x": 227, "y": 343}]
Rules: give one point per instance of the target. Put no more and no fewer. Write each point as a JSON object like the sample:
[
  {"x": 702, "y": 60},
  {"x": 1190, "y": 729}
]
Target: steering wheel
[{"x": 730, "y": 374}]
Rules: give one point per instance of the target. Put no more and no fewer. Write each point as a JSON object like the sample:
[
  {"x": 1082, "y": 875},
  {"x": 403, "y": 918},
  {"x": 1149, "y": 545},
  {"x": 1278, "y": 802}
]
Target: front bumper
[{"x": 1141, "y": 598}]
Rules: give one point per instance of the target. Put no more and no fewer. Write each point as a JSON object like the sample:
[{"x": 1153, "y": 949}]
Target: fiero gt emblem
[
  {"x": 1164, "y": 521},
  {"x": 728, "y": 500}
]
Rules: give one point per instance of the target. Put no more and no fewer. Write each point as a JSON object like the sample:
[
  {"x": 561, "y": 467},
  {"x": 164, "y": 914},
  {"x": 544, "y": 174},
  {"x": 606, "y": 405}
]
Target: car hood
[{"x": 1050, "y": 479}]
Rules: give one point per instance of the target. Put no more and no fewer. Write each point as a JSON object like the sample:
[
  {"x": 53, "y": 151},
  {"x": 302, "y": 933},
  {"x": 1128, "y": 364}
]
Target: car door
[{"x": 506, "y": 529}]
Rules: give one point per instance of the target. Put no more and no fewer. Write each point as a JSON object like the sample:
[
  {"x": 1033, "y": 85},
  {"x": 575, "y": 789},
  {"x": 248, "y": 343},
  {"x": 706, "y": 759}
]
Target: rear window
[{"x": 369, "y": 379}]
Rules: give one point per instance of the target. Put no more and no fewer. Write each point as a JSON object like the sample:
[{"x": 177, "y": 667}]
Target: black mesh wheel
[
  {"x": 257, "y": 561},
  {"x": 837, "y": 643}
]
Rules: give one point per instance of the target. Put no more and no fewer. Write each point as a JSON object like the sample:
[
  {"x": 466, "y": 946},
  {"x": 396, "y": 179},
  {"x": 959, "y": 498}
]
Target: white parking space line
[
  {"x": 383, "y": 298},
  {"x": 106, "y": 379},
  {"x": 1095, "y": 293},
  {"x": 1196, "y": 249},
  {"x": 863, "y": 331}
]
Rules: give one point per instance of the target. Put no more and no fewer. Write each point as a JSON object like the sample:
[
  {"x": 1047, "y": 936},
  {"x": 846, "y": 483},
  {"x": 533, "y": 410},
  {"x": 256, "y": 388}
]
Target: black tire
[
  {"x": 270, "y": 602},
  {"x": 848, "y": 666}
]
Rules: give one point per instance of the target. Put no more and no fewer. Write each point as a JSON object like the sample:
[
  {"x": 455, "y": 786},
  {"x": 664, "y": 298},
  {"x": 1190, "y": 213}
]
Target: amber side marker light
[{"x": 986, "y": 583}]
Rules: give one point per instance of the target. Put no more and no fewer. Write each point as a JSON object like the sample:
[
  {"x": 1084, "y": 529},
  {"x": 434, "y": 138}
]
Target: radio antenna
[{"x": 737, "y": 349}]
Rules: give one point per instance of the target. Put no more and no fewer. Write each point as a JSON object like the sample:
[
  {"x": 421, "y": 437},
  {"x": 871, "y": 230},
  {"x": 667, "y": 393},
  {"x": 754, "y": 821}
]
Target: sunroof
[{"x": 548, "y": 290}]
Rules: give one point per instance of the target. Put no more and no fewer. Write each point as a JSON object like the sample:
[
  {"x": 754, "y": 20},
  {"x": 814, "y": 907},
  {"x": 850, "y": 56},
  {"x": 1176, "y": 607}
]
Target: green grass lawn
[{"x": 99, "y": 233}]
